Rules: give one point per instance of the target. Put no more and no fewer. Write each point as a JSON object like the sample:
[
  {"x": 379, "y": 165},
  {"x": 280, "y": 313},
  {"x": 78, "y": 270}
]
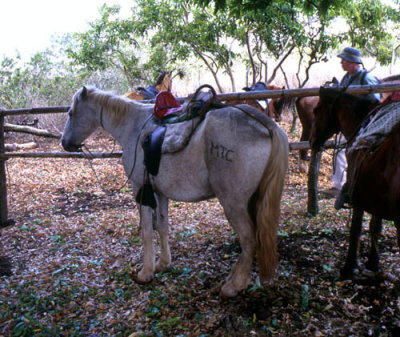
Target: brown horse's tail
[{"x": 268, "y": 202}]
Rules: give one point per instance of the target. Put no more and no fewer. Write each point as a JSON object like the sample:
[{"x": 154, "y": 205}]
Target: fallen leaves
[{"x": 76, "y": 249}]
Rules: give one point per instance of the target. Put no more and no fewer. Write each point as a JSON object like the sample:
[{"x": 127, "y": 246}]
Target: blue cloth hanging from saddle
[{"x": 148, "y": 93}]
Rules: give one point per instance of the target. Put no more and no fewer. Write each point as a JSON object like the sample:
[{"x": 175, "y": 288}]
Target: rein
[{"x": 95, "y": 173}]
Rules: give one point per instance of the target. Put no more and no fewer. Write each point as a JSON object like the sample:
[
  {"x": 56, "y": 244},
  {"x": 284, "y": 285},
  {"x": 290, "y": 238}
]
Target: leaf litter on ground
[{"x": 75, "y": 251}]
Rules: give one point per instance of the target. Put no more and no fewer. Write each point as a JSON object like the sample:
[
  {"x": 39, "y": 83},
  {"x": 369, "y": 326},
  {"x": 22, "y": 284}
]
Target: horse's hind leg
[
  {"x": 375, "y": 228},
  {"x": 146, "y": 274},
  {"x": 240, "y": 276},
  {"x": 355, "y": 230},
  {"x": 164, "y": 262},
  {"x": 303, "y": 162}
]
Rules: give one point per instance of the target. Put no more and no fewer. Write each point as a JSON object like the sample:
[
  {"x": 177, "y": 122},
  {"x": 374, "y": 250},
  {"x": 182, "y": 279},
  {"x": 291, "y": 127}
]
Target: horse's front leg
[
  {"x": 164, "y": 262},
  {"x": 375, "y": 228},
  {"x": 355, "y": 230},
  {"x": 146, "y": 274}
]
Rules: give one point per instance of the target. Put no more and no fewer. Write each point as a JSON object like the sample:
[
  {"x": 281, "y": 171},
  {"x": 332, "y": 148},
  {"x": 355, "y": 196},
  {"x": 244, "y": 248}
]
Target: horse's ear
[{"x": 84, "y": 92}]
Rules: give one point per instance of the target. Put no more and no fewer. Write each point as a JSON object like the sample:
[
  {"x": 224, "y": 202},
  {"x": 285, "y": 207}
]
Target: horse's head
[
  {"x": 164, "y": 82},
  {"x": 277, "y": 105},
  {"x": 325, "y": 122},
  {"x": 83, "y": 119},
  {"x": 259, "y": 86}
]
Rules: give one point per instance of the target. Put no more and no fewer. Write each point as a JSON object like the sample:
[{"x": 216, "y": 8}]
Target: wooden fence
[{"x": 315, "y": 157}]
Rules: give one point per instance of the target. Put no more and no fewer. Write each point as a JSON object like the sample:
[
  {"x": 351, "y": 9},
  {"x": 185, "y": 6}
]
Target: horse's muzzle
[{"x": 71, "y": 147}]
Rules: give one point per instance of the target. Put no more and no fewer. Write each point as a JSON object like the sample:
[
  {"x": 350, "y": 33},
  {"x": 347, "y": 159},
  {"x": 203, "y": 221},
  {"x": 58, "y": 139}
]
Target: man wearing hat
[
  {"x": 351, "y": 63},
  {"x": 355, "y": 75}
]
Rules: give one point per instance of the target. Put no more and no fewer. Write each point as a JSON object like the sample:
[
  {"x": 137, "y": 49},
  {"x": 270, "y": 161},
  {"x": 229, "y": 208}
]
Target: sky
[{"x": 28, "y": 25}]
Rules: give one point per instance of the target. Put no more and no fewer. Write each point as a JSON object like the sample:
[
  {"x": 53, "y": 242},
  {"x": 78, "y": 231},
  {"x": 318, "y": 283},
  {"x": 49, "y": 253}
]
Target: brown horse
[
  {"x": 375, "y": 179},
  {"x": 273, "y": 109},
  {"x": 305, "y": 111},
  {"x": 163, "y": 83}
]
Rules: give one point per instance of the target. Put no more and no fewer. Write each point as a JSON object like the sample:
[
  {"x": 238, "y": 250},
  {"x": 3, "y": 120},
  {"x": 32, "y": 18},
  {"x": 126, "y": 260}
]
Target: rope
[{"x": 97, "y": 177}]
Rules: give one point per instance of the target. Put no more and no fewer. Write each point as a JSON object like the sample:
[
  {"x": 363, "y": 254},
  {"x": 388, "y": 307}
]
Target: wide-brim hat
[{"x": 351, "y": 55}]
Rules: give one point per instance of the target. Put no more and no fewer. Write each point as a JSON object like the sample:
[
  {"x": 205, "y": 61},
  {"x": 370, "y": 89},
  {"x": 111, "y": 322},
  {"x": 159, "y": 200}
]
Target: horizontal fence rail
[
  {"x": 117, "y": 154},
  {"x": 284, "y": 93}
]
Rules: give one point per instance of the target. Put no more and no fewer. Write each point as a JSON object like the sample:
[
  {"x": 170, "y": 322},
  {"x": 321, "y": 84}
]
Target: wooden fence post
[
  {"x": 3, "y": 183},
  {"x": 313, "y": 173}
]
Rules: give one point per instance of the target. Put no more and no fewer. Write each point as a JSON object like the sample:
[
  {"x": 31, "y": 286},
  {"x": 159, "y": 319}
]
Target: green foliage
[
  {"x": 109, "y": 42},
  {"x": 39, "y": 82},
  {"x": 120, "y": 53},
  {"x": 310, "y": 29}
]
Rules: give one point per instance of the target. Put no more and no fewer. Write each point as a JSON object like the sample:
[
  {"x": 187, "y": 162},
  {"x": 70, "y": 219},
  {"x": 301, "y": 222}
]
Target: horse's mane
[
  {"x": 160, "y": 78},
  {"x": 117, "y": 106}
]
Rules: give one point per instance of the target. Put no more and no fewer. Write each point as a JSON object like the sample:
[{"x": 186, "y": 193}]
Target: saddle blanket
[
  {"x": 378, "y": 128},
  {"x": 178, "y": 135}
]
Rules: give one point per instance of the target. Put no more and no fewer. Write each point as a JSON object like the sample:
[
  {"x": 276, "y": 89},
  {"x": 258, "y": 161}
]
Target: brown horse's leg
[
  {"x": 305, "y": 136},
  {"x": 351, "y": 261},
  {"x": 303, "y": 167},
  {"x": 375, "y": 228}
]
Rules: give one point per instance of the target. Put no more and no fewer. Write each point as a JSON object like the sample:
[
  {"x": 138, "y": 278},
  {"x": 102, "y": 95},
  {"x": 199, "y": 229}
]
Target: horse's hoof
[
  {"x": 228, "y": 291},
  {"x": 162, "y": 266},
  {"x": 144, "y": 277}
]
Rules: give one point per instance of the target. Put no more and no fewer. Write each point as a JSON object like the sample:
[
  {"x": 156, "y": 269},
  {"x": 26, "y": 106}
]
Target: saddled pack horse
[
  {"x": 163, "y": 83},
  {"x": 375, "y": 177},
  {"x": 235, "y": 154}
]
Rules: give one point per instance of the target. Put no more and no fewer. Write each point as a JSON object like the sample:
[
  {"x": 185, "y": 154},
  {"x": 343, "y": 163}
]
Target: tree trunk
[
  {"x": 15, "y": 146},
  {"x": 30, "y": 130},
  {"x": 313, "y": 173}
]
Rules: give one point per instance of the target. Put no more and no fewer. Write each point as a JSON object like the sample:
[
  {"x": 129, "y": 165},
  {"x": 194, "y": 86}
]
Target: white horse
[{"x": 235, "y": 154}]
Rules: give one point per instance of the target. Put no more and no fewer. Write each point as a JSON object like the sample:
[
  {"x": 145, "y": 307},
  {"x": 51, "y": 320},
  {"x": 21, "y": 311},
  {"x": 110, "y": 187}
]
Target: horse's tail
[{"x": 267, "y": 204}]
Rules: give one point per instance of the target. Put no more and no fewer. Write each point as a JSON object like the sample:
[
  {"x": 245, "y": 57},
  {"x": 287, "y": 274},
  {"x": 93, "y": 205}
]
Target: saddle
[
  {"x": 167, "y": 110},
  {"x": 378, "y": 125},
  {"x": 176, "y": 123}
]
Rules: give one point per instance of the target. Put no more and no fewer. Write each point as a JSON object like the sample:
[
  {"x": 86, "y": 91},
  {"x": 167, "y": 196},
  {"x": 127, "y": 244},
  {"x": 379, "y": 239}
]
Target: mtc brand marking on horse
[{"x": 221, "y": 152}]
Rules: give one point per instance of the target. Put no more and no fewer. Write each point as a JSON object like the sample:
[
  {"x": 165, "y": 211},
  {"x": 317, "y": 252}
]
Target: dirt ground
[{"x": 75, "y": 249}]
